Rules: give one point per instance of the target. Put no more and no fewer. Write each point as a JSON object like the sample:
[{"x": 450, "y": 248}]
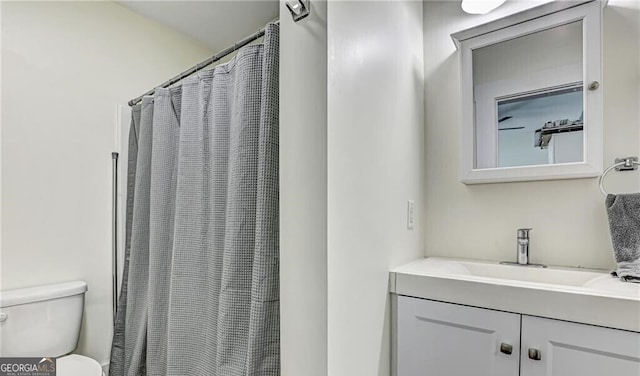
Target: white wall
[
  {"x": 65, "y": 66},
  {"x": 622, "y": 93},
  {"x": 375, "y": 164},
  {"x": 568, "y": 216},
  {"x": 351, "y": 155},
  {"x": 303, "y": 192}
]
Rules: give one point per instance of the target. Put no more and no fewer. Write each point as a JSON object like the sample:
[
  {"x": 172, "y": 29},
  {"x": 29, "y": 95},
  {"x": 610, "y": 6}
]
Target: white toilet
[{"x": 44, "y": 321}]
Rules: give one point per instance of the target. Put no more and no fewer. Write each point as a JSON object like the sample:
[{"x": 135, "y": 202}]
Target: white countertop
[{"x": 580, "y": 295}]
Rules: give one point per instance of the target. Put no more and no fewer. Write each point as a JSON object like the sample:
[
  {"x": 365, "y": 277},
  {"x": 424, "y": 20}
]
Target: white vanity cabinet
[
  {"x": 444, "y": 339},
  {"x": 568, "y": 348}
]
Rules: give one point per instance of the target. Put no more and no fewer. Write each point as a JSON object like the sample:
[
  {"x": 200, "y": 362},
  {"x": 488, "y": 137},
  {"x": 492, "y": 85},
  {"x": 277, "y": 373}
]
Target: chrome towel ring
[{"x": 622, "y": 164}]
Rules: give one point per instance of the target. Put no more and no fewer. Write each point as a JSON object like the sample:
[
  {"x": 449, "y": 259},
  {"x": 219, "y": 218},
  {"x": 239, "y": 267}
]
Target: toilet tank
[{"x": 41, "y": 321}]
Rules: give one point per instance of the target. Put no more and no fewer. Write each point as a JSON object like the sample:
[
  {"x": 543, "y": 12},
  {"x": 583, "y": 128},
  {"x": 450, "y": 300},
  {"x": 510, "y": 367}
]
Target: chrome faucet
[
  {"x": 523, "y": 246},
  {"x": 522, "y": 255}
]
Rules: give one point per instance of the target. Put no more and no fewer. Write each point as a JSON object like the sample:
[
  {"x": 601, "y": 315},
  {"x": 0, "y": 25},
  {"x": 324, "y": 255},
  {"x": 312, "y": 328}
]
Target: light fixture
[{"x": 480, "y": 6}]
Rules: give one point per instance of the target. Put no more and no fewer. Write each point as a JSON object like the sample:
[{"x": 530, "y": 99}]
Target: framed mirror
[{"x": 531, "y": 95}]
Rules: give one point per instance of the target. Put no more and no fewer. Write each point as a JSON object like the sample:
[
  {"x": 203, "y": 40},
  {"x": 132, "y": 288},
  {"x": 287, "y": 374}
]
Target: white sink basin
[
  {"x": 553, "y": 276},
  {"x": 580, "y": 295}
]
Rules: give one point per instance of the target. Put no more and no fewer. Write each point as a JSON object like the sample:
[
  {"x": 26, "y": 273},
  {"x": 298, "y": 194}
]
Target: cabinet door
[
  {"x": 567, "y": 349},
  {"x": 443, "y": 339}
]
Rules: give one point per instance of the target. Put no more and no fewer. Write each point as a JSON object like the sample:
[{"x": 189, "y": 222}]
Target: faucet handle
[{"x": 524, "y": 232}]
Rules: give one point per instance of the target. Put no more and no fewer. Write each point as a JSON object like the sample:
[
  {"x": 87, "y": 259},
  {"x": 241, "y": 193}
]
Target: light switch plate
[{"x": 410, "y": 214}]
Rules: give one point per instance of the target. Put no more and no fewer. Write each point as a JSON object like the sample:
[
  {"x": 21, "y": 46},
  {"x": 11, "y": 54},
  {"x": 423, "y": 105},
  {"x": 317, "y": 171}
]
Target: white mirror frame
[{"x": 536, "y": 19}]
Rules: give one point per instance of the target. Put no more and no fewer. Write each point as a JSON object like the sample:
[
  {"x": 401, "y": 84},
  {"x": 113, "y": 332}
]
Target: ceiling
[{"x": 217, "y": 24}]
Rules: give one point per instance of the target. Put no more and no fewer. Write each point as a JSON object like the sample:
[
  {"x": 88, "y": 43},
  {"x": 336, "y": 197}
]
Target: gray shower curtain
[{"x": 200, "y": 294}]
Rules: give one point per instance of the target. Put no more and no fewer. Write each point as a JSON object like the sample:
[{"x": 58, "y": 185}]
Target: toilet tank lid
[{"x": 34, "y": 294}]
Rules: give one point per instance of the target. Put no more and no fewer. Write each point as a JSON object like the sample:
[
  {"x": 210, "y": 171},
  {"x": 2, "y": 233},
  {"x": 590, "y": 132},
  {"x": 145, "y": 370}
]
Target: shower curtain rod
[{"x": 206, "y": 63}]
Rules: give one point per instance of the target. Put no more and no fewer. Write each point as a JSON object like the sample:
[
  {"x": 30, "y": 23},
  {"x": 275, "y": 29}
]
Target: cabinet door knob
[
  {"x": 535, "y": 354},
  {"x": 506, "y": 348}
]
